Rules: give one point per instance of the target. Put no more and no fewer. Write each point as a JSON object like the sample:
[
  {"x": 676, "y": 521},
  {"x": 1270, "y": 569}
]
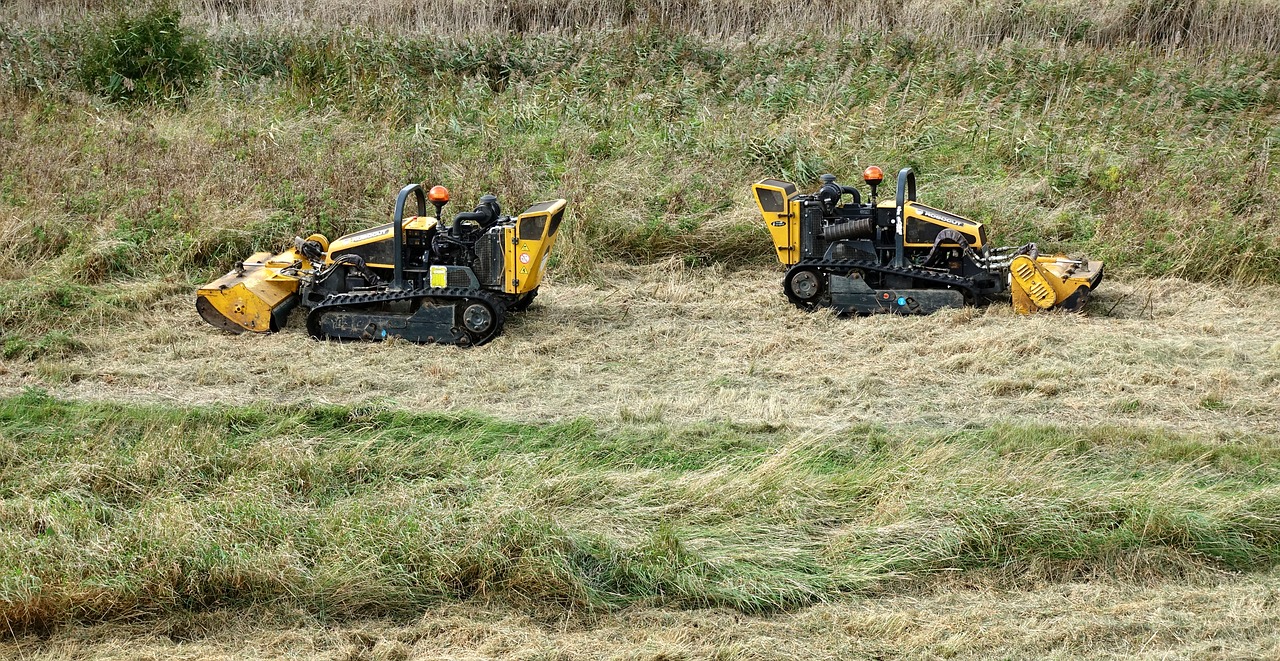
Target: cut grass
[
  {"x": 1210, "y": 617},
  {"x": 131, "y": 510},
  {"x": 667, "y": 343}
]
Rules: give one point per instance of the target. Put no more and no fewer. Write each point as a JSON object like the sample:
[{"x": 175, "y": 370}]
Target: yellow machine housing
[
  {"x": 1051, "y": 281},
  {"x": 781, "y": 211},
  {"x": 426, "y": 283},
  {"x": 902, "y": 256},
  {"x": 533, "y": 236},
  {"x": 378, "y": 238},
  {"x": 257, "y": 295},
  {"x": 923, "y": 223}
]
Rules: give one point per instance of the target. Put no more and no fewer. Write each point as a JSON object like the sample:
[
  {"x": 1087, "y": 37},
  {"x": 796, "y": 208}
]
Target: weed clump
[
  {"x": 148, "y": 58},
  {"x": 55, "y": 344}
]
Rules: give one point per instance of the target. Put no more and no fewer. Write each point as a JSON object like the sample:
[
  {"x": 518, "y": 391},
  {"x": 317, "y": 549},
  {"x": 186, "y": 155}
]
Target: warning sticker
[
  {"x": 524, "y": 247},
  {"x": 524, "y": 270},
  {"x": 524, "y": 258}
]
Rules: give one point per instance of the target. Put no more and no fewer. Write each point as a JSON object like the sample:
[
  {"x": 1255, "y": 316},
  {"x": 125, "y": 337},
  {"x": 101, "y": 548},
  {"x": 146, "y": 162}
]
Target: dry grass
[
  {"x": 654, "y": 135},
  {"x": 666, "y": 343},
  {"x": 1202, "y": 618},
  {"x": 1198, "y": 23},
  {"x": 1023, "y": 477}
]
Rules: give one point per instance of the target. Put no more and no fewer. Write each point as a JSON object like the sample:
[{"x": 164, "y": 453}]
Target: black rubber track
[
  {"x": 827, "y": 268},
  {"x": 458, "y": 298}
]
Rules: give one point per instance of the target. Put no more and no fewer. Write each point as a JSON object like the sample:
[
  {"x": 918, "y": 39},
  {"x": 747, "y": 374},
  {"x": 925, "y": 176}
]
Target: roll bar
[
  {"x": 906, "y": 186},
  {"x": 397, "y": 229},
  {"x": 906, "y": 193}
]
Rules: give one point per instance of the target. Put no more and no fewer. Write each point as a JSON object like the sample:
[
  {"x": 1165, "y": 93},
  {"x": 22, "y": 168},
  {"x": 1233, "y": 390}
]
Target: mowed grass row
[{"x": 137, "y": 510}]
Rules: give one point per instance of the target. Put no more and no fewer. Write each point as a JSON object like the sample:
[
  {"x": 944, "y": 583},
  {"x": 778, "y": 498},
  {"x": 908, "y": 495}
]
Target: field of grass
[
  {"x": 1219, "y": 24},
  {"x": 635, "y": 466},
  {"x": 661, "y": 459},
  {"x": 1158, "y": 162},
  {"x": 660, "y": 344},
  {"x": 124, "y": 511},
  {"x": 120, "y": 510}
]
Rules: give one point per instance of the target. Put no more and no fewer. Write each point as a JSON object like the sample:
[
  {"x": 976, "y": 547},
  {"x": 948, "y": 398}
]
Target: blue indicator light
[{"x": 902, "y": 301}]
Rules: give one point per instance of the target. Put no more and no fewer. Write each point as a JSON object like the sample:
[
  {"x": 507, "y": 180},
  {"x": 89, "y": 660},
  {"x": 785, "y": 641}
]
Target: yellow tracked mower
[
  {"x": 415, "y": 278},
  {"x": 900, "y": 256}
]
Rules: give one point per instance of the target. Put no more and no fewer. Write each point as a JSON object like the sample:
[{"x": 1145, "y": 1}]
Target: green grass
[
  {"x": 114, "y": 511},
  {"x": 1157, "y": 161},
  {"x": 144, "y": 58}
]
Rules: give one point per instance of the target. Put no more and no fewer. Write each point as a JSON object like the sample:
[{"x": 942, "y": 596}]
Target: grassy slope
[
  {"x": 1159, "y": 163},
  {"x": 114, "y": 511},
  {"x": 1141, "y": 133}
]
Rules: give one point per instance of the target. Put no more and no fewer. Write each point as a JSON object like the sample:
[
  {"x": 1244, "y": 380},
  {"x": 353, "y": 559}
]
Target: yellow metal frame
[
  {"x": 249, "y": 295},
  {"x": 970, "y": 228},
  {"x": 784, "y": 226},
  {"x": 525, "y": 262},
  {"x": 1048, "y": 281},
  {"x": 374, "y": 235}
]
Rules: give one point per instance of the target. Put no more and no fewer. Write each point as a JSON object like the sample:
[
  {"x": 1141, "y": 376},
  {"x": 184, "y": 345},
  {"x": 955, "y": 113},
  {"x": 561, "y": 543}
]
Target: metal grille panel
[{"x": 488, "y": 266}]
